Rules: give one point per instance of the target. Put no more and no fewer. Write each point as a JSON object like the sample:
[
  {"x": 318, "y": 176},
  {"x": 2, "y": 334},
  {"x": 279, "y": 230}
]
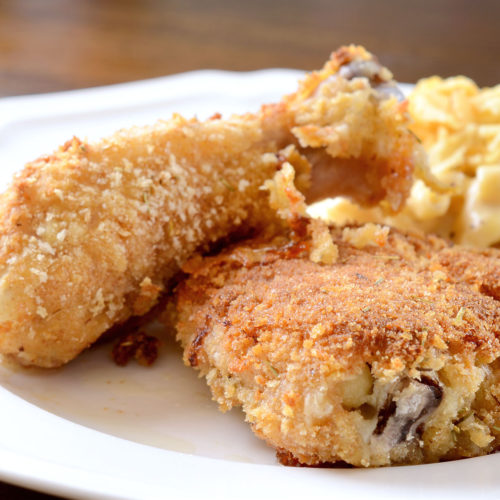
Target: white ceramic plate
[{"x": 95, "y": 430}]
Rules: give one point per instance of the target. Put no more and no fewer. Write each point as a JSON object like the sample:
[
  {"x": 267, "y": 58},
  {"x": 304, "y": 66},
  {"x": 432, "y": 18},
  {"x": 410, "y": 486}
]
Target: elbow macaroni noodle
[{"x": 459, "y": 126}]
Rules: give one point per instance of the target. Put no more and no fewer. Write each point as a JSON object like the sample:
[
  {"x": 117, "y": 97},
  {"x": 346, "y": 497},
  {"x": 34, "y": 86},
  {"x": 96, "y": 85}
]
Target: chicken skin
[
  {"x": 387, "y": 354},
  {"x": 92, "y": 234}
]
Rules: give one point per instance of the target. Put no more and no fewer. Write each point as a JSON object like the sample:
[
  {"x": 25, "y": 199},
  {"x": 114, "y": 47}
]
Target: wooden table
[{"x": 51, "y": 45}]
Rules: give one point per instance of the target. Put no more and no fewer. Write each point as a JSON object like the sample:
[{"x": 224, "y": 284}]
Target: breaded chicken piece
[
  {"x": 387, "y": 355},
  {"x": 92, "y": 234}
]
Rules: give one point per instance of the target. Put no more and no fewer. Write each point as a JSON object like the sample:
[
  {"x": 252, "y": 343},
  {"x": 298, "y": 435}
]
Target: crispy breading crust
[
  {"x": 82, "y": 229},
  {"x": 388, "y": 355}
]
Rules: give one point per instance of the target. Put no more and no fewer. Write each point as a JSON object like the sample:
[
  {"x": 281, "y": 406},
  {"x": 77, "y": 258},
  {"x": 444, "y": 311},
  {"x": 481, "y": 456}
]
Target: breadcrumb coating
[
  {"x": 388, "y": 355},
  {"x": 91, "y": 234}
]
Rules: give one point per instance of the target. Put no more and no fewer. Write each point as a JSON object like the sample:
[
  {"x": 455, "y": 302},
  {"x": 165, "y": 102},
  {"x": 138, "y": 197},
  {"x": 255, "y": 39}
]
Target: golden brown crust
[
  {"x": 396, "y": 302},
  {"x": 138, "y": 345},
  {"x": 281, "y": 334},
  {"x": 324, "y": 122},
  {"x": 81, "y": 229}
]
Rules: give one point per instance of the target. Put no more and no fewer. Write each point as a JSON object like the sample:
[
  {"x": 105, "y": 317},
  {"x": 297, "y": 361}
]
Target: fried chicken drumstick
[
  {"x": 390, "y": 354},
  {"x": 91, "y": 235}
]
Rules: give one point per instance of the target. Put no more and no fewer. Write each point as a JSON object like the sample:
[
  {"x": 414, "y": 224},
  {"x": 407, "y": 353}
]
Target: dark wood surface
[
  {"x": 49, "y": 45},
  {"x": 52, "y": 45}
]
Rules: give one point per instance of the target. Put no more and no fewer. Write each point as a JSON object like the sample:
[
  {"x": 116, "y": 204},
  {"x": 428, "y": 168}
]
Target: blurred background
[{"x": 53, "y": 45}]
